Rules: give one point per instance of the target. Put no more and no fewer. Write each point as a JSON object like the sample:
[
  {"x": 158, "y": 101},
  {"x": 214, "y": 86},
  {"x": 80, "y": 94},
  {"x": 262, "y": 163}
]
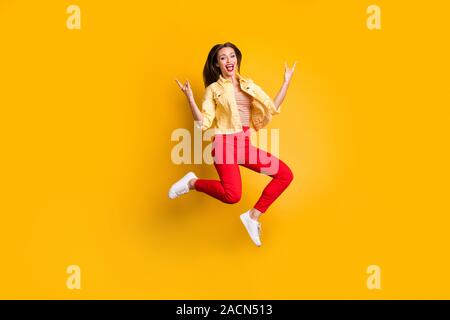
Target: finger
[
  {"x": 285, "y": 65},
  {"x": 179, "y": 84},
  {"x": 295, "y": 63}
]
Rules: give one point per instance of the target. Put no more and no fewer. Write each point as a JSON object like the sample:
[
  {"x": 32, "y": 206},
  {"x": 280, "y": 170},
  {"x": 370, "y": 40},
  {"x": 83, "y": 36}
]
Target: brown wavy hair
[{"x": 211, "y": 72}]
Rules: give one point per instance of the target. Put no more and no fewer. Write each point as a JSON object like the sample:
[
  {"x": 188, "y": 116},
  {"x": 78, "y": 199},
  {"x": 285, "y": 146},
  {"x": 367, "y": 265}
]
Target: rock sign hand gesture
[{"x": 288, "y": 72}]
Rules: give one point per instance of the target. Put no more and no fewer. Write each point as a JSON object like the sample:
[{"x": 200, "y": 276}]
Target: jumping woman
[{"x": 233, "y": 105}]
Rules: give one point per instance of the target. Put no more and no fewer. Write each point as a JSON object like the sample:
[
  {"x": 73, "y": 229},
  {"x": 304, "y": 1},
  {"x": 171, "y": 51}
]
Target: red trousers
[{"x": 232, "y": 150}]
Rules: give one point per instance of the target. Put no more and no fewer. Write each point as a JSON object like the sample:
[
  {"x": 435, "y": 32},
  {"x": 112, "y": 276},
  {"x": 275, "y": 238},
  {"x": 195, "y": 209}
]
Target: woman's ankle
[
  {"x": 255, "y": 214},
  {"x": 191, "y": 184}
]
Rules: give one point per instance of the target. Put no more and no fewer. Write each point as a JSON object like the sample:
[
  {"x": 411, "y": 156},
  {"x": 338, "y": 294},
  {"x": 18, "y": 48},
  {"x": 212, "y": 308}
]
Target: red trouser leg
[
  {"x": 272, "y": 166},
  {"x": 229, "y": 188}
]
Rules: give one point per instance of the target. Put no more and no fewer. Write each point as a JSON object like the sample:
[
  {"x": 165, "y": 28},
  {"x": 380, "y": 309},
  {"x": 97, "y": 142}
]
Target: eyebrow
[{"x": 223, "y": 54}]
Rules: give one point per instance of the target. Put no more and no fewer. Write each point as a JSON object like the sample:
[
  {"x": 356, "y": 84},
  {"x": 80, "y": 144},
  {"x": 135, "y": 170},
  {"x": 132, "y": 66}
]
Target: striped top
[{"x": 244, "y": 102}]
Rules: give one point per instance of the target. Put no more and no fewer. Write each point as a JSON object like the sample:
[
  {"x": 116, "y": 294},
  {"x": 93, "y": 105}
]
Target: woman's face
[{"x": 227, "y": 61}]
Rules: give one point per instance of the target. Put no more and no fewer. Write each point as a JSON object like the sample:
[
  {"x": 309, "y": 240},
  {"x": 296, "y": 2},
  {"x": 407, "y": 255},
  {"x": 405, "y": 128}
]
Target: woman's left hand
[{"x": 288, "y": 72}]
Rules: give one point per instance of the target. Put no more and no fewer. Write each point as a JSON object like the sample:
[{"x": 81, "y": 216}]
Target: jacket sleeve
[
  {"x": 268, "y": 102},
  {"x": 208, "y": 110}
]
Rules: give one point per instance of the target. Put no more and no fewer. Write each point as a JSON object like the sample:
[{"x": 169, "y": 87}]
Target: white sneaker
[
  {"x": 253, "y": 228},
  {"x": 181, "y": 186}
]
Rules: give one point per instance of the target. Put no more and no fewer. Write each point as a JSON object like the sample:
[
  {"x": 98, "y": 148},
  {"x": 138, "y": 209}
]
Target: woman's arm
[
  {"x": 281, "y": 94},
  {"x": 196, "y": 113},
  {"x": 186, "y": 88},
  {"x": 283, "y": 90}
]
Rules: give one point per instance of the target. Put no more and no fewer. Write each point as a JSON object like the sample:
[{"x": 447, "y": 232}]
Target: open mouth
[{"x": 229, "y": 67}]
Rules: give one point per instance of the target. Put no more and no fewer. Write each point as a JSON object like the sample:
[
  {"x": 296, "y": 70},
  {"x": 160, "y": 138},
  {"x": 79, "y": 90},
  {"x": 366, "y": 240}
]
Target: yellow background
[{"x": 85, "y": 125}]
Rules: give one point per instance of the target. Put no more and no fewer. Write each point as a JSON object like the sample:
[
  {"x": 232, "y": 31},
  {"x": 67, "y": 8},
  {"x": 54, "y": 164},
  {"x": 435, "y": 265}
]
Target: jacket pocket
[{"x": 218, "y": 96}]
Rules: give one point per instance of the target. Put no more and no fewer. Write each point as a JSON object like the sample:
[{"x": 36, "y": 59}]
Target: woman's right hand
[{"x": 186, "y": 88}]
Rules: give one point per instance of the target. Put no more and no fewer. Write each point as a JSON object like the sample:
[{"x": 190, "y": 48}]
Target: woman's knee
[
  {"x": 232, "y": 196},
  {"x": 286, "y": 174}
]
